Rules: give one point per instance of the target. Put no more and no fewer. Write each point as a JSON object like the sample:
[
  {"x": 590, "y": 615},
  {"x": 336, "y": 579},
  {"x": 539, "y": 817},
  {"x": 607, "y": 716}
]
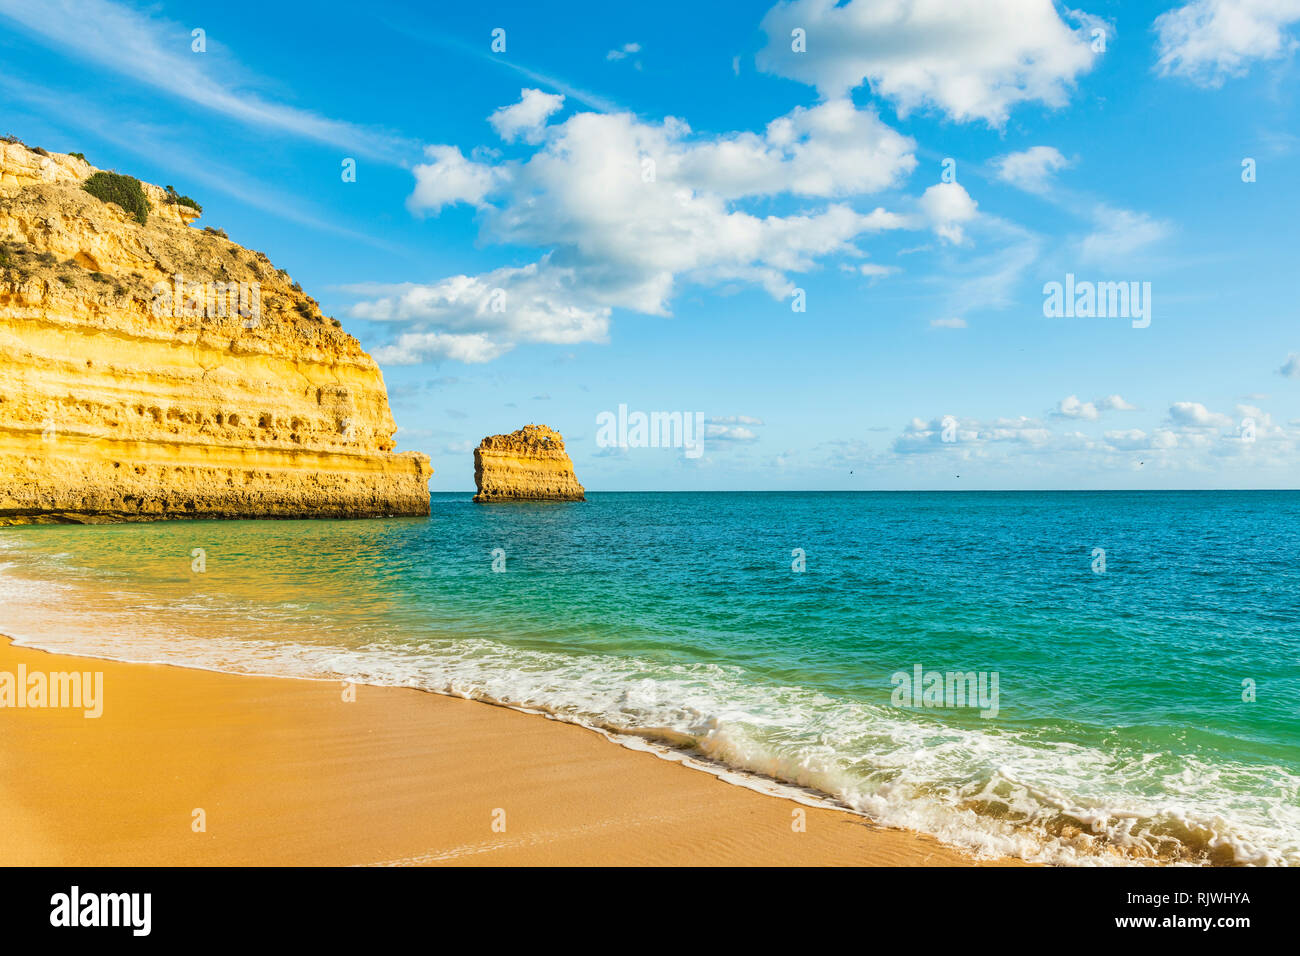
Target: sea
[{"x": 1074, "y": 678}]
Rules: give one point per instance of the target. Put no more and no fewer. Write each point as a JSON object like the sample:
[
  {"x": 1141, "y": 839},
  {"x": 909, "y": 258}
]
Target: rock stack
[{"x": 527, "y": 465}]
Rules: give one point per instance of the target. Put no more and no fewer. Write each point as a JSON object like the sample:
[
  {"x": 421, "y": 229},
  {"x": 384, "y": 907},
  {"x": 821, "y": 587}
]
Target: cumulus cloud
[
  {"x": 626, "y": 211},
  {"x": 1130, "y": 439},
  {"x": 449, "y": 178},
  {"x": 1030, "y": 169},
  {"x": 829, "y": 150},
  {"x": 973, "y": 61},
  {"x": 478, "y": 318},
  {"x": 729, "y": 433},
  {"x": 526, "y": 118},
  {"x": 1209, "y": 41},
  {"x": 1072, "y": 407},
  {"x": 1196, "y": 415},
  {"x": 949, "y": 433},
  {"x": 1192, "y": 439},
  {"x": 947, "y": 206},
  {"x": 412, "y": 348}
]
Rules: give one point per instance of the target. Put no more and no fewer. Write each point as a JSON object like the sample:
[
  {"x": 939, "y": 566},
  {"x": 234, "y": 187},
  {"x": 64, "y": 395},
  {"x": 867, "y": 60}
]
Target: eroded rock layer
[
  {"x": 528, "y": 464},
  {"x": 117, "y": 403}
]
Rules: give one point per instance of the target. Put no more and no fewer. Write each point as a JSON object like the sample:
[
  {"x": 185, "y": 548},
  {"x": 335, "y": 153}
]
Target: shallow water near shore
[{"x": 1120, "y": 733}]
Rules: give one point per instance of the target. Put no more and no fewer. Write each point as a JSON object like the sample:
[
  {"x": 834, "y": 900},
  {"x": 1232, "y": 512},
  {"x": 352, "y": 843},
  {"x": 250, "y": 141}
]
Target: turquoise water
[{"x": 1120, "y": 732}]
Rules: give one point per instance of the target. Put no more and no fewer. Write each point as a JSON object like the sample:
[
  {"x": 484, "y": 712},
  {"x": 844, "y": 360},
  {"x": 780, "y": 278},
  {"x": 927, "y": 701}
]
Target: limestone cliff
[
  {"x": 529, "y": 464},
  {"x": 161, "y": 371}
]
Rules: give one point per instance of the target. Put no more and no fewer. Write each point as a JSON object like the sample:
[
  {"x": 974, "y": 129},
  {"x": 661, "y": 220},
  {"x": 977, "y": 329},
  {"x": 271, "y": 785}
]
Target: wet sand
[{"x": 290, "y": 772}]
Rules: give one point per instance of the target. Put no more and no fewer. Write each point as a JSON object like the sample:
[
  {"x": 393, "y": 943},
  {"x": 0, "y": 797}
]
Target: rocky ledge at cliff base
[
  {"x": 149, "y": 369},
  {"x": 527, "y": 465}
]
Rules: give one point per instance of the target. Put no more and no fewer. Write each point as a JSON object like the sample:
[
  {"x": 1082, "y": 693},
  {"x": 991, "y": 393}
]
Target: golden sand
[{"x": 290, "y": 772}]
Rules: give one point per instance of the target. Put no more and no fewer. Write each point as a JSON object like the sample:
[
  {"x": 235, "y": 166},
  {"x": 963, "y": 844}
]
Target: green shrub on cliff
[
  {"x": 126, "y": 191},
  {"x": 175, "y": 197}
]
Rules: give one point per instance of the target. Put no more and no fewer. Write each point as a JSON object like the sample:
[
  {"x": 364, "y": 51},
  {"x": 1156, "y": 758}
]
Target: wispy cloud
[
  {"x": 157, "y": 53},
  {"x": 585, "y": 97},
  {"x": 623, "y": 52},
  {"x": 153, "y": 143}
]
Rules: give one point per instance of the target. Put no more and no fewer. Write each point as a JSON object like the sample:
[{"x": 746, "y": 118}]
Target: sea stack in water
[
  {"x": 149, "y": 369},
  {"x": 527, "y": 465}
]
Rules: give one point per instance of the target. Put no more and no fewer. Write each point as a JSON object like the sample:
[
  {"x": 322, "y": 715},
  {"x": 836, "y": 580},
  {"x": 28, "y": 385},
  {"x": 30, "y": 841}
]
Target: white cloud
[
  {"x": 729, "y": 433},
  {"x": 733, "y": 420},
  {"x": 527, "y": 117},
  {"x": 947, "y": 206},
  {"x": 1209, "y": 41},
  {"x": 478, "y": 318},
  {"x": 920, "y": 436},
  {"x": 449, "y": 178},
  {"x": 1192, "y": 440},
  {"x": 972, "y": 60},
  {"x": 1291, "y": 367},
  {"x": 1030, "y": 169},
  {"x": 1072, "y": 407},
  {"x": 1196, "y": 415},
  {"x": 411, "y": 348},
  {"x": 625, "y": 211},
  {"x": 1115, "y": 403},
  {"x": 947, "y": 323},
  {"x": 832, "y": 149},
  {"x": 1131, "y": 439}
]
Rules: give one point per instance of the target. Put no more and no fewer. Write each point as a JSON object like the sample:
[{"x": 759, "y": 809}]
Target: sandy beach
[{"x": 289, "y": 772}]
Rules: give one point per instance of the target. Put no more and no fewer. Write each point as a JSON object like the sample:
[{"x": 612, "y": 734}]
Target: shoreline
[{"x": 285, "y": 771}]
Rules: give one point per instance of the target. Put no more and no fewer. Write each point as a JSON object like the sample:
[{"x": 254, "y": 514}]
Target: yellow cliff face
[
  {"x": 162, "y": 371},
  {"x": 528, "y": 464}
]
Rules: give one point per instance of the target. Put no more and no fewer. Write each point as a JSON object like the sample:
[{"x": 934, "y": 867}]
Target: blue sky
[{"x": 649, "y": 192}]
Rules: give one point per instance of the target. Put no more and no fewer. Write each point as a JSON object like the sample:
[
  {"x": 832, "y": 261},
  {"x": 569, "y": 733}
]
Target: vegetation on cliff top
[
  {"x": 174, "y": 197},
  {"x": 126, "y": 191}
]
